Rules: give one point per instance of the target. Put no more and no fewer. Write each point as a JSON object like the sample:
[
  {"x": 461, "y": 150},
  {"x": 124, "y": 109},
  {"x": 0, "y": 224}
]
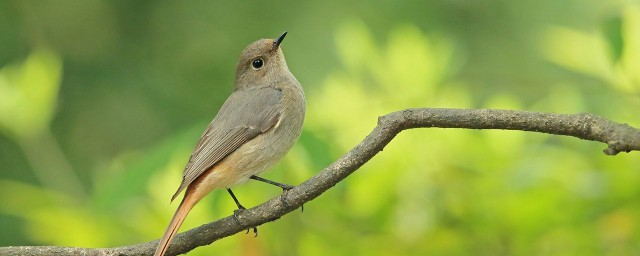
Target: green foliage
[
  {"x": 131, "y": 103},
  {"x": 28, "y": 93},
  {"x": 612, "y": 59}
]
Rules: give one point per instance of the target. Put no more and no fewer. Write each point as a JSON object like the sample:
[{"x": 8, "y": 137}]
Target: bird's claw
[
  {"x": 286, "y": 187},
  {"x": 236, "y": 214},
  {"x": 255, "y": 231},
  {"x": 283, "y": 198}
]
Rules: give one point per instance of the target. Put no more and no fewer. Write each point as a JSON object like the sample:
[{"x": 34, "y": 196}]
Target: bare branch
[{"x": 618, "y": 137}]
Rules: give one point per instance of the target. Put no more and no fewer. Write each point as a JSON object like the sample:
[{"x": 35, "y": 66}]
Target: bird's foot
[
  {"x": 283, "y": 197},
  {"x": 236, "y": 214},
  {"x": 236, "y": 217}
]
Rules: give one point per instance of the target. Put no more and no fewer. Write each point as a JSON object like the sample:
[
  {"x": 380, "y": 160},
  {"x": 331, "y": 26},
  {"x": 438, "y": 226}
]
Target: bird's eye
[{"x": 257, "y": 64}]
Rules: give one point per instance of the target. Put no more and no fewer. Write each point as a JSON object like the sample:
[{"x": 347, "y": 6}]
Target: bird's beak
[{"x": 278, "y": 40}]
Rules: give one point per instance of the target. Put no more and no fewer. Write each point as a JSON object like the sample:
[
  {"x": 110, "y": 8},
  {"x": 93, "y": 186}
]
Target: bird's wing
[{"x": 245, "y": 115}]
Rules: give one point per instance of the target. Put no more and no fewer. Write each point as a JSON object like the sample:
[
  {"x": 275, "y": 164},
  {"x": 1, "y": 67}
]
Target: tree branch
[{"x": 618, "y": 137}]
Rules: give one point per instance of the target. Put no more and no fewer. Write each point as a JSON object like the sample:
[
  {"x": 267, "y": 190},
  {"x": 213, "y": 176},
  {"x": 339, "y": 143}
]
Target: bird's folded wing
[{"x": 245, "y": 115}]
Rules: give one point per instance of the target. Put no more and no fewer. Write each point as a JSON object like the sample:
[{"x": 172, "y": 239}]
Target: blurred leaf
[
  {"x": 579, "y": 51},
  {"x": 50, "y": 222},
  {"x": 130, "y": 174},
  {"x": 28, "y": 93},
  {"x": 613, "y": 35},
  {"x": 630, "y": 69},
  {"x": 597, "y": 55}
]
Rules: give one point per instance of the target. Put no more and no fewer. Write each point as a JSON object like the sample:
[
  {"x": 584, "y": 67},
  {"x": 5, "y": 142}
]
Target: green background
[{"x": 101, "y": 103}]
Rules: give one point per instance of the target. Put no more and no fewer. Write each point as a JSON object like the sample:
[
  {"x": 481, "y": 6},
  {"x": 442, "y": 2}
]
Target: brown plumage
[{"x": 255, "y": 127}]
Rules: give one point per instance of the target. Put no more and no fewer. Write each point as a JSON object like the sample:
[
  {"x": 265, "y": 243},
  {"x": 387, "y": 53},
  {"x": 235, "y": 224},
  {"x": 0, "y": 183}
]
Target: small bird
[{"x": 253, "y": 130}]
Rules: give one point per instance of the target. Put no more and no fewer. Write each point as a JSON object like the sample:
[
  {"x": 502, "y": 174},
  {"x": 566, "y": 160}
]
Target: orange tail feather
[{"x": 181, "y": 213}]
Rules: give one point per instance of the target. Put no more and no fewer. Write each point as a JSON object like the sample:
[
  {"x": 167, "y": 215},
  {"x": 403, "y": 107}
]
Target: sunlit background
[{"x": 101, "y": 103}]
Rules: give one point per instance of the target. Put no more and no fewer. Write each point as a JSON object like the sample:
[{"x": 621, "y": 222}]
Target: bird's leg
[
  {"x": 240, "y": 209},
  {"x": 285, "y": 188},
  {"x": 235, "y": 199}
]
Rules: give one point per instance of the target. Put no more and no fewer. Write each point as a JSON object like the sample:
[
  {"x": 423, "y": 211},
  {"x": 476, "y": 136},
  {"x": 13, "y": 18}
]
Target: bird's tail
[{"x": 181, "y": 213}]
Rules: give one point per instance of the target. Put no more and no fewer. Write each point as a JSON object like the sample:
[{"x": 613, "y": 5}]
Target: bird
[{"x": 255, "y": 127}]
